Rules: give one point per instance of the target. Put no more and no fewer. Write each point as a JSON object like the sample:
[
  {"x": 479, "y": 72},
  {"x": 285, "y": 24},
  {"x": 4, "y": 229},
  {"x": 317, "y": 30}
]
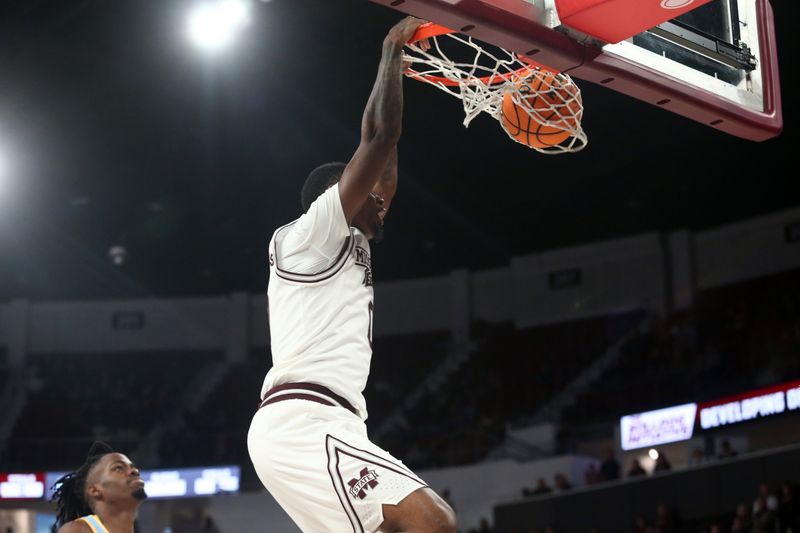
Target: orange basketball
[{"x": 557, "y": 101}]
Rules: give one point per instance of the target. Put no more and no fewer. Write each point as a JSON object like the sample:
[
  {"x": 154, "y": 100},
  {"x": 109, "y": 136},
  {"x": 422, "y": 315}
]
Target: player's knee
[
  {"x": 421, "y": 512},
  {"x": 448, "y": 521},
  {"x": 442, "y": 520}
]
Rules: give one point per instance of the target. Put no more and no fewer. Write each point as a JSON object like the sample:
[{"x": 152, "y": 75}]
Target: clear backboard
[{"x": 713, "y": 61}]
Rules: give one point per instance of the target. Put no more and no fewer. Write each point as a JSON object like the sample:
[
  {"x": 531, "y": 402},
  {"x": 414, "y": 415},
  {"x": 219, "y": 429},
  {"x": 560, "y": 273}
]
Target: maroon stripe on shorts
[{"x": 333, "y": 398}]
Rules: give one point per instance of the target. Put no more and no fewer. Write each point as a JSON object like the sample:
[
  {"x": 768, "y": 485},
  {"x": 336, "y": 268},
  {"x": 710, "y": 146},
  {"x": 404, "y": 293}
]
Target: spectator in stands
[
  {"x": 610, "y": 468},
  {"x": 483, "y": 527},
  {"x": 561, "y": 482},
  {"x": 446, "y": 497},
  {"x": 742, "y": 523},
  {"x": 662, "y": 464},
  {"x": 770, "y": 499},
  {"x": 726, "y": 451},
  {"x": 636, "y": 469},
  {"x": 697, "y": 457},
  {"x": 592, "y": 475},
  {"x": 641, "y": 525},
  {"x": 665, "y": 519},
  {"x": 763, "y": 516},
  {"x": 189, "y": 520},
  {"x": 210, "y": 526},
  {"x": 104, "y": 494},
  {"x": 541, "y": 488},
  {"x": 789, "y": 510}
]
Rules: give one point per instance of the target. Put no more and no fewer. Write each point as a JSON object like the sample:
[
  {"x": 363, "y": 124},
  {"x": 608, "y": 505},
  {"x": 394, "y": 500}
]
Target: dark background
[{"x": 118, "y": 132}]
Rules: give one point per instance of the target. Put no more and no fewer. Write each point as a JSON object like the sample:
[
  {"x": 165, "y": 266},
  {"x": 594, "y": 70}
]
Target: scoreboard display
[
  {"x": 22, "y": 485},
  {"x": 180, "y": 482},
  {"x": 176, "y": 483}
]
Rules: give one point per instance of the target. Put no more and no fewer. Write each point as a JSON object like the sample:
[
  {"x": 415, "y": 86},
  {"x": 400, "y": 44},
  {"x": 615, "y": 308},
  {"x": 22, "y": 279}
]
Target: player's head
[
  {"x": 105, "y": 478},
  {"x": 369, "y": 218},
  {"x": 318, "y": 181}
]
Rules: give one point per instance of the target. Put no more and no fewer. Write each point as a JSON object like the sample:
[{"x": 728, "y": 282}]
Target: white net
[{"x": 536, "y": 107}]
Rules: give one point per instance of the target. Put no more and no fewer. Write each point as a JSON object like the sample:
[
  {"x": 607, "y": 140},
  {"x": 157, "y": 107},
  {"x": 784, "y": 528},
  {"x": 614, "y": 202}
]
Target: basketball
[{"x": 546, "y": 112}]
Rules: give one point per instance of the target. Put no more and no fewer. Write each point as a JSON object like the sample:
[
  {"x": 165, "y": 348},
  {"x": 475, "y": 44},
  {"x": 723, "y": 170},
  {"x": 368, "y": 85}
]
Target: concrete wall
[
  {"x": 643, "y": 271},
  {"x": 696, "y": 493}
]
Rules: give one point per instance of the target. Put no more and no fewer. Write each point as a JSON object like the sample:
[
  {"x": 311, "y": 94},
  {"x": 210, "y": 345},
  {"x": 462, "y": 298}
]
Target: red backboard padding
[{"x": 613, "y": 21}]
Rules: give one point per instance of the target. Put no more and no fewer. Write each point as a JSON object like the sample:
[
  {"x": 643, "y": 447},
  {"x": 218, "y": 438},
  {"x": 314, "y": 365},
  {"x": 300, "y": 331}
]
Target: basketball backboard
[{"x": 714, "y": 61}]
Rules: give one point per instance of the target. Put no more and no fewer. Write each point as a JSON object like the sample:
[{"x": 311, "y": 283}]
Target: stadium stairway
[
  {"x": 458, "y": 354},
  {"x": 514, "y": 446},
  {"x": 203, "y": 384},
  {"x": 12, "y": 402}
]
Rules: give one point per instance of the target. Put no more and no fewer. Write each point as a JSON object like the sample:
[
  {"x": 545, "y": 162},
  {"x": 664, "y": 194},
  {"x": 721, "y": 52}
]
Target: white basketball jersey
[{"x": 320, "y": 302}]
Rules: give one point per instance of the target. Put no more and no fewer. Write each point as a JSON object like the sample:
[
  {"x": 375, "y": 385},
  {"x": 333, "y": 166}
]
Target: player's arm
[
  {"x": 387, "y": 185},
  {"x": 381, "y": 124}
]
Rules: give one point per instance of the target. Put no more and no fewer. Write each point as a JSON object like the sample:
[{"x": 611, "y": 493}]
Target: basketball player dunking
[{"x": 308, "y": 441}]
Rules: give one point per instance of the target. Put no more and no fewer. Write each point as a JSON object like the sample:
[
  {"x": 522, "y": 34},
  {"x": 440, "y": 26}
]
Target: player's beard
[{"x": 139, "y": 494}]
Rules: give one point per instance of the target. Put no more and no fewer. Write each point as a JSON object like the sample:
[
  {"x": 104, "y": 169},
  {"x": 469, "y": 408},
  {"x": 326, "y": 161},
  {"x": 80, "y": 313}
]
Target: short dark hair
[{"x": 318, "y": 181}]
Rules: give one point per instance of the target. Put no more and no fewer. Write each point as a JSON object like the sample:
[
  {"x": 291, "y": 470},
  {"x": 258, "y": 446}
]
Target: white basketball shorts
[{"x": 318, "y": 463}]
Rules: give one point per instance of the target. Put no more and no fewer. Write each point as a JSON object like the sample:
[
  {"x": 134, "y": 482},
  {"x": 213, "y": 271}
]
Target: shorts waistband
[{"x": 312, "y": 392}]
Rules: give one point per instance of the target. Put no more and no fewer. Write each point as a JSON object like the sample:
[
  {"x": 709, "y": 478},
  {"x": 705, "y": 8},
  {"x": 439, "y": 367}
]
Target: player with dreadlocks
[{"x": 102, "y": 496}]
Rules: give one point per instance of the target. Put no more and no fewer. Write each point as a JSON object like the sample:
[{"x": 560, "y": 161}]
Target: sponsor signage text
[{"x": 672, "y": 424}]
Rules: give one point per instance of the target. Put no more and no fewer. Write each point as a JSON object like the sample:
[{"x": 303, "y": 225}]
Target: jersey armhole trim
[{"x": 327, "y": 273}]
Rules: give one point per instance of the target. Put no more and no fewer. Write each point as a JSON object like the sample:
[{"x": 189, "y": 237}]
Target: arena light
[
  {"x": 117, "y": 254},
  {"x": 3, "y": 170},
  {"x": 5, "y": 179},
  {"x": 213, "y": 26},
  {"x": 653, "y": 453}
]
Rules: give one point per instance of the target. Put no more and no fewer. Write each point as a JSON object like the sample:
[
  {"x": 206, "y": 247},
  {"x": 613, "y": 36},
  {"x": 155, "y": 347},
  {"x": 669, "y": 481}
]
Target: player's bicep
[{"x": 361, "y": 174}]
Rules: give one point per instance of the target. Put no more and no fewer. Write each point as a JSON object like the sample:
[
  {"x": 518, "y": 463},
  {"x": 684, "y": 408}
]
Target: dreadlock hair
[
  {"x": 70, "y": 490},
  {"x": 318, "y": 181}
]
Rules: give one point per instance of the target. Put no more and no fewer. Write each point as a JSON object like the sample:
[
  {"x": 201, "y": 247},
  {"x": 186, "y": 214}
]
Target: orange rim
[{"x": 430, "y": 30}]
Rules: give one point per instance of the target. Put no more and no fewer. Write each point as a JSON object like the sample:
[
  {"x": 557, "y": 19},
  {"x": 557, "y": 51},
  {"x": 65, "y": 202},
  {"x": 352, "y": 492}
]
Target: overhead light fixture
[{"x": 213, "y": 26}]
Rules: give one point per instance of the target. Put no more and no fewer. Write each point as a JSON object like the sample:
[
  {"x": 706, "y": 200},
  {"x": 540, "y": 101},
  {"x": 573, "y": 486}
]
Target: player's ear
[{"x": 93, "y": 491}]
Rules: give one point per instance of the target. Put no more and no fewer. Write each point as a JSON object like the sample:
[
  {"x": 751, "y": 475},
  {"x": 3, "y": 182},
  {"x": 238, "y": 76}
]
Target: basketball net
[{"x": 551, "y": 99}]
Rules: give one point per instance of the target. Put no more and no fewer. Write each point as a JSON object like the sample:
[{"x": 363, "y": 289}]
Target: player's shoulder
[
  {"x": 283, "y": 229},
  {"x": 76, "y": 526}
]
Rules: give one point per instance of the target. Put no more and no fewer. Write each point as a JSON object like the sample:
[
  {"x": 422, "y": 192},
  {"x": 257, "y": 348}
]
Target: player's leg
[
  {"x": 318, "y": 463},
  {"x": 422, "y": 511},
  {"x": 287, "y": 448}
]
